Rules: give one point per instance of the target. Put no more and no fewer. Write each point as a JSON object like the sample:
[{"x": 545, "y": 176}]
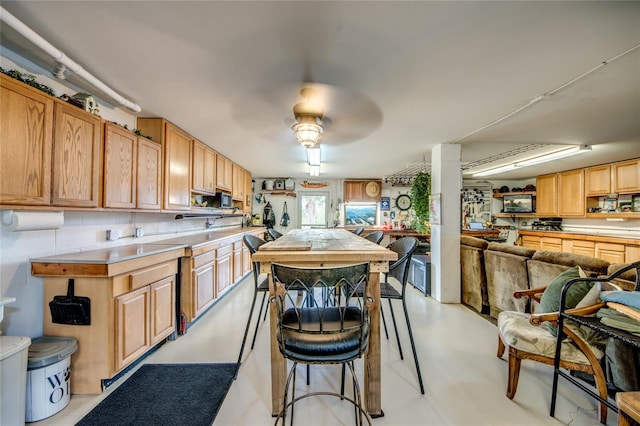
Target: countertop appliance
[{"x": 547, "y": 224}]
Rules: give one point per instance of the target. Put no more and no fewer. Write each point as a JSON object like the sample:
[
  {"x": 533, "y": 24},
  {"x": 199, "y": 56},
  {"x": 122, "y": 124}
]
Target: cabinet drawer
[
  {"x": 152, "y": 274},
  {"x": 203, "y": 259},
  {"x": 225, "y": 251},
  {"x": 141, "y": 277}
]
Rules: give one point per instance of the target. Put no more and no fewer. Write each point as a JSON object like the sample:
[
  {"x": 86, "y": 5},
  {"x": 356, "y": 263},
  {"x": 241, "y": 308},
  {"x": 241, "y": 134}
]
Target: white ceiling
[{"x": 398, "y": 77}]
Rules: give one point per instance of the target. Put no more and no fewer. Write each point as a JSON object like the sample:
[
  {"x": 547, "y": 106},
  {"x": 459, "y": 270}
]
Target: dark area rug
[{"x": 166, "y": 394}]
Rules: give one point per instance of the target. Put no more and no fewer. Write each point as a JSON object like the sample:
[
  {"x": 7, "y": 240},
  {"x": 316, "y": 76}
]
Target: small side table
[{"x": 628, "y": 408}]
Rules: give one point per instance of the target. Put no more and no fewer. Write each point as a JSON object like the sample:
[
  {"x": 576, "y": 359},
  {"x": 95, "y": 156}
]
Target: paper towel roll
[{"x": 18, "y": 220}]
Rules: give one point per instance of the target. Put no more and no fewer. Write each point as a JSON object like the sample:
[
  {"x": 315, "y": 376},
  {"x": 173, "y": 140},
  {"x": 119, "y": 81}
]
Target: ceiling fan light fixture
[{"x": 307, "y": 131}]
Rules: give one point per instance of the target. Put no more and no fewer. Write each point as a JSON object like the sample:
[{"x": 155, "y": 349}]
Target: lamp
[
  {"x": 308, "y": 128},
  {"x": 580, "y": 149},
  {"x": 313, "y": 156}
]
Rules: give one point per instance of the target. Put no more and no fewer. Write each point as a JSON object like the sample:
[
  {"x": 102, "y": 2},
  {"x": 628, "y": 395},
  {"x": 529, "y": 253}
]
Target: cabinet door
[
  {"x": 614, "y": 253},
  {"x": 546, "y": 195},
  {"x": 571, "y": 198},
  {"x": 246, "y": 261},
  {"x": 353, "y": 190},
  {"x": 248, "y": 192},
  {"x": 203, "y": 287},
  {"x": 224, "y": 268},
  {"x": 120, "y": 165},
  {"x": 585, "y": 248},
  {"x": 597, "y": 180},
  {"x": 238, "y": 266},
  {"x": 163, "y": 309},
  {"x": 224, "y": 173},
  {"x": 238, "y": 182},
  {"x": 197, "y": 166},
  {"x": 210, "y": 170},
  {"x": 133, "y": 337},
  {"x": 149, "y": 175},
  {"x": 550, "y": 244},
  {"x": 26, "y": 139},
  {"x": 531, "y": 242},
  {"x": 76, "y": 157},
  {"x": 177, "y": 166},
  {"x": 626, "y": 176}
]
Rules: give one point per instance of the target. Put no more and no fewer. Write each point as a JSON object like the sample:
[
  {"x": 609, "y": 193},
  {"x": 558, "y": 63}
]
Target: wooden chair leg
[
  {"x": 501, "y": 346},
  {"x": 514, "y": 372}
]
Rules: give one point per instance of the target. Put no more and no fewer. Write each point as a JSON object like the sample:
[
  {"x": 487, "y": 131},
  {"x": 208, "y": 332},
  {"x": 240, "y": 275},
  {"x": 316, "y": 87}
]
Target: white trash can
[
  {"x": 49, "y": 376},
  {"x": 13, "y": 379}
]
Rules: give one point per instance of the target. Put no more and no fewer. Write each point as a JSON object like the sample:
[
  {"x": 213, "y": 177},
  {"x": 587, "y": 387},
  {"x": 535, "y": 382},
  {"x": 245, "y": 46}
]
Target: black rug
[{"x": 166, "y": 394}]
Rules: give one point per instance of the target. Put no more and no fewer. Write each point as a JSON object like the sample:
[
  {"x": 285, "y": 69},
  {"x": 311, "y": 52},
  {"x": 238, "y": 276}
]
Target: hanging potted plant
[{"x": 420, "y": 192}]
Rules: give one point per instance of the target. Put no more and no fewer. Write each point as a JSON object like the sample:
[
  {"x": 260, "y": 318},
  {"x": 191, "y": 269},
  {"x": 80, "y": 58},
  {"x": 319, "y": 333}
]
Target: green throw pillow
[{"x": 550, "y": 300}]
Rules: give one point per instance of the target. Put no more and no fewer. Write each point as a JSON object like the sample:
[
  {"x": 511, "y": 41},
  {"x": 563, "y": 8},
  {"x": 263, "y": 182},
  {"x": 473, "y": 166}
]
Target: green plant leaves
[{"x": 420, "y": 192}]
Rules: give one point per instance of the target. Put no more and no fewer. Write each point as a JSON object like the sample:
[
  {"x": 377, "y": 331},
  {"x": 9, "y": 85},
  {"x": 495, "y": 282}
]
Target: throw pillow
[{"x": 550, "y": 301}]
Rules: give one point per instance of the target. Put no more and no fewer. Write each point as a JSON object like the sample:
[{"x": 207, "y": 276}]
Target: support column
[{"x": 445, "y": 238}]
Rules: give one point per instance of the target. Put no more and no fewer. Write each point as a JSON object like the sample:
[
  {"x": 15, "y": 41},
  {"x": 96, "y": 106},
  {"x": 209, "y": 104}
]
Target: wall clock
[
  {"x": 372, "y": 189},
  {"x": 403, "y": 202}
]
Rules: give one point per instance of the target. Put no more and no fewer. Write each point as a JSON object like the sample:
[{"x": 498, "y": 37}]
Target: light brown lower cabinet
[
  {"x": 211, "y": 269},
  {"x": 614, "y": 253},
  {"x": 132, "y": 309},
  {"x": 611, "y": 249},
  {"x": 224, "y": 268},
  {"x": 585, "y": 248}
]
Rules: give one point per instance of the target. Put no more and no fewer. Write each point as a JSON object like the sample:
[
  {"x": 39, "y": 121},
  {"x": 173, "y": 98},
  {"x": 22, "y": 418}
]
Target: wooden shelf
[
  {"x": 502, "y": 194},
  {"x": 616, "y": 215},
  {"x": 512, "y": 215},
  {"x": 280, "y": 192}
]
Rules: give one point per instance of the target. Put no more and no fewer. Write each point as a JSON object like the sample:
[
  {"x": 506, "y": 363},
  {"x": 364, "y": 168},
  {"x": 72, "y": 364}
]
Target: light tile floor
[{"x": 465, "y": 381}]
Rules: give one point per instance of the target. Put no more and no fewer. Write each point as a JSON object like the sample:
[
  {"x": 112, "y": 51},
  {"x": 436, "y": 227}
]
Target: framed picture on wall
[{"x": 435, "y": 211}]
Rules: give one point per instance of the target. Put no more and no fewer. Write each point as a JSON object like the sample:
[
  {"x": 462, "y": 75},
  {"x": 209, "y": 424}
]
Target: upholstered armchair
[{"x": 533, "y": 336}]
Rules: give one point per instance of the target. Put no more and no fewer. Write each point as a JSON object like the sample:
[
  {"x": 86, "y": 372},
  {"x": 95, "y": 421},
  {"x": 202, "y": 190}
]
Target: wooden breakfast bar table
[{"x": 328, "y": 247}]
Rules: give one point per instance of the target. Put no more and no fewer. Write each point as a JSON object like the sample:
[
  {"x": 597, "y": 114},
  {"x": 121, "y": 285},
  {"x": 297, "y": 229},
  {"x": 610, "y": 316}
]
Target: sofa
[
  {"x": 473, "y": 276},
  {"x": 506, "y": 269},
  {"x": 491, "y": 272}
]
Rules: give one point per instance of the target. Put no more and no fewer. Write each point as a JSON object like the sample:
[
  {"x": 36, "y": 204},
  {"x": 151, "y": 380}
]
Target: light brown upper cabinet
[
  {"x": 176, "y": 153},
  {"x": 625, "y": 176},
  {"x": 597, "y": 180},
  {"x": 120, "y": 167},
  {"x": 132, "y": 170},
  {"x": 203, "y": 168},
  {"x": 224, "y": 173},
  {"x": 237, "y": 183},
  {"x": 26, "y": 140},
  {"x": 561, "y": 194},
  {"x": 362, "y": 190},
  {"x": 622, "y": 177},
  {"x": 547, "y": 195},
  {"x": 76, "y": 157},
  {"x": 248, "y": 191},
  {"x": 149, "y": 175},
  {"x": 571, "y": 200}
]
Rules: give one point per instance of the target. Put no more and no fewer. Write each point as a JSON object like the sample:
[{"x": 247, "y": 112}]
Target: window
[
  {"x": 361, "y": 214},
  {"x": 313, "y": 209}
]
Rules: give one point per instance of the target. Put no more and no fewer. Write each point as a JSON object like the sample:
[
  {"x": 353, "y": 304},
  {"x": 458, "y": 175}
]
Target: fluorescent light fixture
[
  {"x": 580, "y": 149},
  {"x": 313, "y": 156},
  {"x": 496, "y": 170},
  {"x": 314, "y": 170},
  {"x": 554, "y": 155}
]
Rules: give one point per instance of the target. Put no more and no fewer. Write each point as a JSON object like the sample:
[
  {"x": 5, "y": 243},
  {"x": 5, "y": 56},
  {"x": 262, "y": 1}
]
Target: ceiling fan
[
  {"x": 308, "y": 114},
  {"x": 338, "y": 114}
]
